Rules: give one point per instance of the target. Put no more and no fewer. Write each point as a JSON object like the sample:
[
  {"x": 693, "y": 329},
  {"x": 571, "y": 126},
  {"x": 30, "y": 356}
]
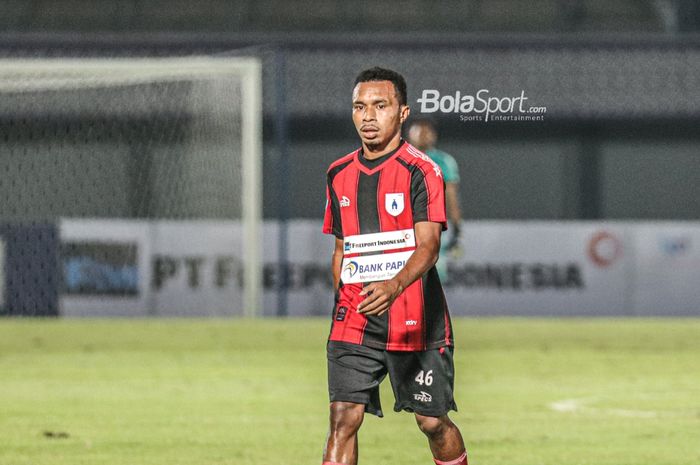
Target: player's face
[
  {"x": 376, "y": 112},
  {"x": 422, "y": 136}
]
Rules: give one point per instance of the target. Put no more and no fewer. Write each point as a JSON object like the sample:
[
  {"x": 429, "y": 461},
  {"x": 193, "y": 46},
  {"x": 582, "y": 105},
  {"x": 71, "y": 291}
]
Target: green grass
[{"x": 202, "y": 392}]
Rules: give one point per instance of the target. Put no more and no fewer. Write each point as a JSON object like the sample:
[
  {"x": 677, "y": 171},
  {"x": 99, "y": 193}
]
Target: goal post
[
  {"x": 252, "y": 186},
  {"x": 195, "y": 113}
]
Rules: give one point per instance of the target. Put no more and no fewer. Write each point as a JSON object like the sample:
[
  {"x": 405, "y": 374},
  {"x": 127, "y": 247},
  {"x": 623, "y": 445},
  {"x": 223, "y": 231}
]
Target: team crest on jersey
[{"x": 393, "y": 203}]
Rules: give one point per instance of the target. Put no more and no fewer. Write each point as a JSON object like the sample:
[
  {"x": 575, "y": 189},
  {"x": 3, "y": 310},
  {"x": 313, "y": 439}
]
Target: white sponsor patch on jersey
[
  {"x": 379, "y": 242},
  {"x": 371, "y": 268}
]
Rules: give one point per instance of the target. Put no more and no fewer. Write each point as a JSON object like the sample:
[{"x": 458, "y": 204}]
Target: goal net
[{"x": 130, "y": 187}]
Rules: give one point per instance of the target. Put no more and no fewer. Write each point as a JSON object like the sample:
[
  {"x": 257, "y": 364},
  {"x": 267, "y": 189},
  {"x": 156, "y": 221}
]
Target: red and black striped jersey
[{"x": 373, "y": 205}]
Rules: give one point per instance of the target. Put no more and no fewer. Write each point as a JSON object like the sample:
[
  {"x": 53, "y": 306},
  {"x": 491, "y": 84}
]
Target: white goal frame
[{"x": 47, "y": 73}]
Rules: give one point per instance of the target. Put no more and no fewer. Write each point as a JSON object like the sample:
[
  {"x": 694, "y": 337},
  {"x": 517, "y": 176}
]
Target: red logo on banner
[{"x": 604, "y": 248}]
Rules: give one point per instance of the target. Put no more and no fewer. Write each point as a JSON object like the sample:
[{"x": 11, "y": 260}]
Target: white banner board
[
  {"x": 539, "y": 269},
  {"x": 667, "y": 269},
  {"x": 2, "y": 273},
  {"x": 196, "y": 268},
  {"x": 150, "y": 268},
  {"x": 193, "y": 268},
  {"x": 308, "y": 269}
]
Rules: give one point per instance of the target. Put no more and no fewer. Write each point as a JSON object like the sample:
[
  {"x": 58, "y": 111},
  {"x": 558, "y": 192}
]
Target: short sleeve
[
  {"x": 331, "y": 219},
  {"x": 428, "y": 195}
]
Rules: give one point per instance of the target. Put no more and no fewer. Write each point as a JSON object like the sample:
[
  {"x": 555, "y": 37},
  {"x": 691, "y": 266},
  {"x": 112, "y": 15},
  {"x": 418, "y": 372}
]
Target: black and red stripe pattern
[{"x": 360, "y": 200}]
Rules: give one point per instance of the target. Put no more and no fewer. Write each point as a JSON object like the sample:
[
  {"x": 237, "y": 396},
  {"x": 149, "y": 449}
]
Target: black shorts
[{"x": 422, "y": 381}]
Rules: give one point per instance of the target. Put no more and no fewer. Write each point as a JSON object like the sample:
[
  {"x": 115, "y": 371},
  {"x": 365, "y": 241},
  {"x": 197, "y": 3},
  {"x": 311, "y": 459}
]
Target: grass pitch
[{"x": 204, "y": 392}]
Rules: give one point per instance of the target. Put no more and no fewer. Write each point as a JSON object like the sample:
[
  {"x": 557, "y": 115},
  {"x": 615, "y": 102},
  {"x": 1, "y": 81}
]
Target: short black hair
[{"x": 383, "y": 74}]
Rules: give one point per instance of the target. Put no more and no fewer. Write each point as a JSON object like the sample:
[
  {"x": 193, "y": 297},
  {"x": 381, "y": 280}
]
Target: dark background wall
[
  {"x": 330, "y": 15},
  {"x": 248, "y": 16},
  {"x": 619, "y": 81}
]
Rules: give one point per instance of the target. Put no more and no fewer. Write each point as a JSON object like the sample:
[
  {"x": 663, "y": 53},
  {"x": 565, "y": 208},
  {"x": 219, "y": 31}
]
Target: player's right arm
[
  {"x": 331, "y": 225},
  {"x": 337, "y": 262}
]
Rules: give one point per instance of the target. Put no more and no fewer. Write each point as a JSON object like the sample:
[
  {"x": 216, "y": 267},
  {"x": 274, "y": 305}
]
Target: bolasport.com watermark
[{"x": 481, "y": 106}]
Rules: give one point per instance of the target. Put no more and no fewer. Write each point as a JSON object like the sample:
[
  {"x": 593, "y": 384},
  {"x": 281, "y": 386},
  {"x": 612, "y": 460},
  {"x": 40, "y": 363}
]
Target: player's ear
[{"x": 404, "y": 111}]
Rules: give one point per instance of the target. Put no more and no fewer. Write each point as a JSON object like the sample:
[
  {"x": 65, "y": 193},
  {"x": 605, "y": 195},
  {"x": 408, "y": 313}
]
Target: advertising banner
[
  {"x": 506, "y": 268},
  {"x": 309, "y": 280},
  {"x": 29, "y": 269},
  {"x": 2, "y": 275},
  {"x": 539, "y": 269},
  {"x": 196, "y": 268},
  {"x": 150, "y": 268},
  {"x": 104, "y": 267},
  {"x": 667, "y": 269}
]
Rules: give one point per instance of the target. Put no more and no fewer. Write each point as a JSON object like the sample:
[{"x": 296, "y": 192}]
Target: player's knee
[
  {"x": 346, "y": 417},
  {"x": 433, "y": 426}
]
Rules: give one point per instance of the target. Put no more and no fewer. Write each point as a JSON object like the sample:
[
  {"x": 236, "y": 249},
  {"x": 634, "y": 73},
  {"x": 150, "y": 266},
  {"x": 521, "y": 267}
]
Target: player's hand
[
  {"x": 453, "y": 246},
  {"x": 379, "y": 298},
  {"x": 454, "y": 249}
]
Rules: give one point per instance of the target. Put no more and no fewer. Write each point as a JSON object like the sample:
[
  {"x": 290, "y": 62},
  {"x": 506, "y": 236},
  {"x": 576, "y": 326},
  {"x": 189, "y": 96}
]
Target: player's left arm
[
  {"x": 454, "y": 213},
  {"x": 381, "y": 295}
]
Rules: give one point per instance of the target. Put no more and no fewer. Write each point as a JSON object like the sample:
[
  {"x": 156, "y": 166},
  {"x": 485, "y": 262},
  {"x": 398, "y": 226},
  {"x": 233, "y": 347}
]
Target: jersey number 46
[{"x": 425, "y": 378}]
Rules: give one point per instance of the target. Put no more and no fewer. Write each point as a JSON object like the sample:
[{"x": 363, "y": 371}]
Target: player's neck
[{"x": 377, "y": 151}]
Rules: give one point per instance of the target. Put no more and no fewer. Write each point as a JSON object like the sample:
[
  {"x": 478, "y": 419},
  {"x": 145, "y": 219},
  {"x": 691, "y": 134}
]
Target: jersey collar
[{"x": 383, "y": 159}]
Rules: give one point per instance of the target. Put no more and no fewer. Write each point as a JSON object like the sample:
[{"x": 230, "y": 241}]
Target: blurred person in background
[{"x": 422, "y": 134}]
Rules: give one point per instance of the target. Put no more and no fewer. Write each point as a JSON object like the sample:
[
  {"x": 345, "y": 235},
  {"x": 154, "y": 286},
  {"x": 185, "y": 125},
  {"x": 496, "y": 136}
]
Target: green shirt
[{"x": 447, "y": 164}]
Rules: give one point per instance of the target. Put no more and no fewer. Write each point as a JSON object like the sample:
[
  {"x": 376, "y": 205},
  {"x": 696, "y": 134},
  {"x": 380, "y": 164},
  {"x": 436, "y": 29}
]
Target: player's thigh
[
  {"x": 423, "y": 382},
  {"x": 354, "y": 374}
]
